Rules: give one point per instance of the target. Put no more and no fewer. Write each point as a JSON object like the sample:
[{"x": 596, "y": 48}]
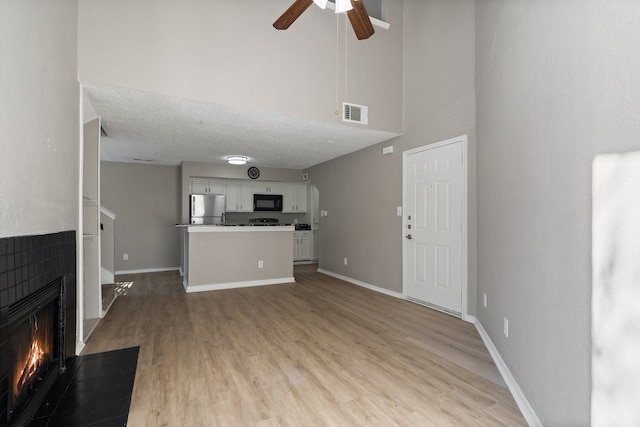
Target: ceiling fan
[{"x": 355, "y": 10}]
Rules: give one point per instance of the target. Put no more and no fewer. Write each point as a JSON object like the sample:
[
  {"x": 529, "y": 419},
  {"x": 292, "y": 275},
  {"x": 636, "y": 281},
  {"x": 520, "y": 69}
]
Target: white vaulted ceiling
[{"x": 160, "y": 129}]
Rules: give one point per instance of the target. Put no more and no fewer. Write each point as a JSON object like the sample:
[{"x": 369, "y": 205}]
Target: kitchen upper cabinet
[
  {"x": 294, "y": 198},
  {"x": 208, "y": 186},
  {"x": 264, "y": 187},
  {"x": 239, "y": 196},
  {"x": 302, "y": 245}
]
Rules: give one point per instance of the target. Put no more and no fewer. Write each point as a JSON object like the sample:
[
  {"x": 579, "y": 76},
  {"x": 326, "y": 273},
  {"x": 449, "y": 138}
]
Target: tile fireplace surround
[{"x": 28, "y": 264}]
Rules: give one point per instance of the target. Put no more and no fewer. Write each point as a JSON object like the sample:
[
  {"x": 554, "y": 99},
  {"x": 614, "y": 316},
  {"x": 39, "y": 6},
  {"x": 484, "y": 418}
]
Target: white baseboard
[
  {"x": 362, "y": 284},
  {"x": 147, "y": 270},
  {"x": 523, "y": 404},
  {"x": 235, "y": 285},
  {"x": 469, "y": 318},
  {"x": 79, "y": 347},
  {"x": 106, "y": 276}
]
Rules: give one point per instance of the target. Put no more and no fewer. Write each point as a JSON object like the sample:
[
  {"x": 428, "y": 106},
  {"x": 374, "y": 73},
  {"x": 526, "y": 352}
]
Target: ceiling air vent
[{"x": 355, "y": 113}]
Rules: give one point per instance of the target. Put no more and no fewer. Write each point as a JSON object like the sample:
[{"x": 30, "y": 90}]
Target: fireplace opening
[
  {"x": 36, "y": 349},
  {"x": 33, "y": 346}
]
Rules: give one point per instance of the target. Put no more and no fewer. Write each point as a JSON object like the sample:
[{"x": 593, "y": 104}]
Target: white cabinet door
[
  {"x": 305, "y": 245},
  {"x": 199, "y": 185},
  {"x": 239, "y": 196},
  {"x": 315, "y": 244},
  {"x": 294, "y": 198},
  {"x": 288, "y": 198},
  {"x": 208, "y": 186},
  {"x": 302, "y": 244},
  {"x": 217, "y": 186},
  {"x": 296, "y": 246},
  {"x": 301, "y": 198},
  {"x": 265, "y": 187}
]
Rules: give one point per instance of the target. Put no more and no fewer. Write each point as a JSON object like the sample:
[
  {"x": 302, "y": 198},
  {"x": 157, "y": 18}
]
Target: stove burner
[{"x": 263, "y": 221}]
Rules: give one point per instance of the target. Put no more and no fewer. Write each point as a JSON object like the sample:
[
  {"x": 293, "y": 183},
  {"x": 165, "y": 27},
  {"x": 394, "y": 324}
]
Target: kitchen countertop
[{"x": 203, "y": 228}]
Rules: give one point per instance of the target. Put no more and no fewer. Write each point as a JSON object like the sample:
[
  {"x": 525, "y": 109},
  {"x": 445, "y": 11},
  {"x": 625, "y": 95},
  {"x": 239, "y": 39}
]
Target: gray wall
[
  {"x": 145, "y": 200},
  {"x": 39, "y": 117},
  {"x": 557, "y": 83},
  {"x": 361, "y": 191}
]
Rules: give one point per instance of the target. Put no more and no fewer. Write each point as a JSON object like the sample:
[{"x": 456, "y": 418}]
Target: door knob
[{"x": 409, "y": 236}]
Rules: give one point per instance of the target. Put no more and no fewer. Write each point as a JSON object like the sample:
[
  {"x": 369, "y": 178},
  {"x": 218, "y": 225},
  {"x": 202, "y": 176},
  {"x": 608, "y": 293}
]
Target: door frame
[{"x": 464, "y": 274}]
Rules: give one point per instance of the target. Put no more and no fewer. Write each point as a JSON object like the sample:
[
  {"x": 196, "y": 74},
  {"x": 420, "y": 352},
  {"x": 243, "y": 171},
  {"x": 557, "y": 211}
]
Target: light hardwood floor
[{"x": 319, "y": 352}]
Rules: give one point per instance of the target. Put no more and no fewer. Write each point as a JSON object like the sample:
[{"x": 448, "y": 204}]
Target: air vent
[{"x": 354, "y": 113}]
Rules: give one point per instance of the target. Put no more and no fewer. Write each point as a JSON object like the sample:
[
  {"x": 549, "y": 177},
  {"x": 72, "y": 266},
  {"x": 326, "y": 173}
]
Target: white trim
[
  {"x": 523, "y": 404},
  {"x": 79, "y": 347},
  {"x": 106, "y": 276},
  {"x": 147, "y": 270},
  {"x": 235, "y": 285},
  {"x": 462, "y": 139},
  {"x": 107, "y": 212},
  {"x": 469, "y": 318},
  {"x": 362, "y": 284},
  {"x": 79, "y": 237},
  {"x": 379, "y": 23}
]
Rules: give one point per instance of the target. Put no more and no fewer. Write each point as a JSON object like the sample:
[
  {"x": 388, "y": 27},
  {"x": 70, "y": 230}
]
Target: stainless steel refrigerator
[{"x": 207, "y": 209}]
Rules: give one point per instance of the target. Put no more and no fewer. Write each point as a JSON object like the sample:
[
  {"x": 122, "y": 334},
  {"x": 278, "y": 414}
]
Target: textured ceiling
[{"x": 154, "y": 128}]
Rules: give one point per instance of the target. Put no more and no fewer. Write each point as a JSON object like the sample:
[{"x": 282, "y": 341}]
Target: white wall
[
  {"x": 226, "y": 51},
  {"x": 556, "y": 84},
  {"x": 39, "y": 117}
]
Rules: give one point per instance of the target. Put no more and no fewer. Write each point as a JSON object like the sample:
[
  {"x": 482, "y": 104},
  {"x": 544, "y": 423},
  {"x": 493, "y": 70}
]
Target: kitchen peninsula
[{"x": 218, "y": 257}]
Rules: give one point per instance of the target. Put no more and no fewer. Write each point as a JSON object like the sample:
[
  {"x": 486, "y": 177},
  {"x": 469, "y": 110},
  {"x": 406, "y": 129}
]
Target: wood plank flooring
[{"x": 319, "y": 352}]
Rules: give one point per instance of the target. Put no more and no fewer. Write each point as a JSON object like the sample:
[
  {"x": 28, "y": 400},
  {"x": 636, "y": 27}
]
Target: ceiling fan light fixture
[
  {"x": 322, "y": 4},
  {"x": 236, "y": 160},
  {"x": 343, "y": 6}
]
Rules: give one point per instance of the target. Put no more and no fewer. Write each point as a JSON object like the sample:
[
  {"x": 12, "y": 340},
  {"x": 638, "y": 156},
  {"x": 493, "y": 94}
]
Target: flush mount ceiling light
[{"x": 236, "y": 160}]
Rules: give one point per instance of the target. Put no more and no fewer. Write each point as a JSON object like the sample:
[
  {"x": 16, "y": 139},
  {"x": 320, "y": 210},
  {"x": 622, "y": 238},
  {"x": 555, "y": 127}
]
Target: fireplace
[{"x": 37, "y": 314}]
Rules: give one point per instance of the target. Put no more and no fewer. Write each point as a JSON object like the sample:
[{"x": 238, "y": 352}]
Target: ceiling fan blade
[
  {"x": 291, "y": 14},
  {"x": 360, "y": 20}
]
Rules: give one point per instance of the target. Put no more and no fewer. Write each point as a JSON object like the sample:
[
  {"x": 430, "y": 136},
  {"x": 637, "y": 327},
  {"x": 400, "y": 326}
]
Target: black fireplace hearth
[{"x": 37, "y": 319}]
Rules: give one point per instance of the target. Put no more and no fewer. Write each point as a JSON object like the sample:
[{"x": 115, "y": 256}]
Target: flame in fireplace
[{"x": 34, "y": 359}]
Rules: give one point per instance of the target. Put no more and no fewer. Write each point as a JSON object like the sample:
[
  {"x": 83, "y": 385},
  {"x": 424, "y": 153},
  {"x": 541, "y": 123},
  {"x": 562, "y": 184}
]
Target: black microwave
[{"x": 267, "y": 202}]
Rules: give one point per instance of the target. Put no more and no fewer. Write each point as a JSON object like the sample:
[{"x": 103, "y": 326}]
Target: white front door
[{"x": 434, "y": 256}]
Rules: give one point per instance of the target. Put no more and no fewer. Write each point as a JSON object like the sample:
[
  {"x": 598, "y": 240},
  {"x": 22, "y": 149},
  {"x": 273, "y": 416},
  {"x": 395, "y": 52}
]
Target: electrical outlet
[
  {"x": 345, "y": 261},
  {"x": 484, "y": 295},
  {"x": 506, "y": 327},
  {"x": 260, "y": 264},
  {"x": 125, "y": 257}
]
